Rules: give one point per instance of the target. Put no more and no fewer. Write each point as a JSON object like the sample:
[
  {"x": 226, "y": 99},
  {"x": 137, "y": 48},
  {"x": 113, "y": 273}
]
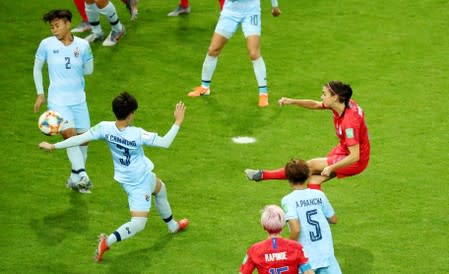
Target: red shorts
[{"x": 336, "y": 155}]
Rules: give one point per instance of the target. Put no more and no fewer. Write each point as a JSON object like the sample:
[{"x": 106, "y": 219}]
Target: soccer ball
[{"x": 50, "y": 123}]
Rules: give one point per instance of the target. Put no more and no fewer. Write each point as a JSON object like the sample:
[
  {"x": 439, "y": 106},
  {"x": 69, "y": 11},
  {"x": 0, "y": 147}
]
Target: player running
[
  {"x": 350, "y": 156},
  {"x": 132, "y": 169}
]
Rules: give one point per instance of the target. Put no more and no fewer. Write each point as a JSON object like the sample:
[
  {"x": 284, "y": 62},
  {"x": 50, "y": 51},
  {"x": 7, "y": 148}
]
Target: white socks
[
  {"x": 77, "y": 159},
  {"x": 261, "y": 74},
  {"x": 164, "y": 209},
  {"x": 111, "y": 14},
  {"x": 127, "y": 230},
  {"x": 210, "y": 62},
  {"x": 94, "y": 18}
]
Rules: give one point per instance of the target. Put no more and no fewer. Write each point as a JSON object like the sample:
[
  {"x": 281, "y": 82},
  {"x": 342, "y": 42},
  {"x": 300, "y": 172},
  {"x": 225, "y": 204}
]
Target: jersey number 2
[{"x": 67, "y": 63}]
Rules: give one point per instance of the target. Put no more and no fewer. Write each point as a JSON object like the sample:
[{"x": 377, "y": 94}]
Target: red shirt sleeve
[
  {"x": 248, "y": 265},
  {"x": 351, "y": 129}
]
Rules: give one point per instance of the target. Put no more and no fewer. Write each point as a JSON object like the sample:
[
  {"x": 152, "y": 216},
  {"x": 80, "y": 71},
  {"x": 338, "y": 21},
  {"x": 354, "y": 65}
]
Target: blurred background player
[
  {"x": 275, "y": 254},
  {"x": 84, "y": 25},
  {"x": 93, "y": 10},
  {"x": 350, "y": 157},
  {"x": 184, "y": 8},
  {"x": 309, "y": 213},
  {"x": 235, "y": 13},
  {"x": 132, "y": 169},
  {"x": 131, "y": 5},
  {"x": 68, "y": 59}
]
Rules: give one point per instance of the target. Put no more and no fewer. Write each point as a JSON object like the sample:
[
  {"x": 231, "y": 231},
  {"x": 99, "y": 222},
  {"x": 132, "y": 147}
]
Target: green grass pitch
[{"x": 393, "y": 218}]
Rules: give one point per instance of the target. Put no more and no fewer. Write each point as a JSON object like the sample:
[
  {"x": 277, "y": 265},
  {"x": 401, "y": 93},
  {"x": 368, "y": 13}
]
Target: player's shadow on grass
[
  {"x": 354, "y": 259},
  {"x": 146, "y": 257},
  {"x": 54, "y": 228}
]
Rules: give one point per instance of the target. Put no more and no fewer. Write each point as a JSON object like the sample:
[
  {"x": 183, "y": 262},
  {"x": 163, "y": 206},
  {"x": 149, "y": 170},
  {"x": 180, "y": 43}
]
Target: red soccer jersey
[
  {"x": 274, "y": 255},
  {"x": 351, "y": 130}
]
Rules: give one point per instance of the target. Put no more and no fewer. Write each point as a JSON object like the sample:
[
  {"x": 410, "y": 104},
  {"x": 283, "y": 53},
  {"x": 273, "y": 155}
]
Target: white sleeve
[
  {"x": 75, "y": 140},
  {"x": 89, "y": 67},
  {"x": 167, "y": 139},
  {"x": 37, "y": 75}
]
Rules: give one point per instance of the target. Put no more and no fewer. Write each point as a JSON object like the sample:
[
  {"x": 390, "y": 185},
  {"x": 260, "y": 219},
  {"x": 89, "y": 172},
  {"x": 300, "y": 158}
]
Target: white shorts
[
  {"x": 139, "y": 196},
  {"x": 227, "y": 24},
  {"x": 76, "y": 115}
]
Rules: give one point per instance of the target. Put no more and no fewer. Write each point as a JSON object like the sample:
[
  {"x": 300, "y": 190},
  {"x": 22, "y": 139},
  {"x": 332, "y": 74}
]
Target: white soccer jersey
[
  {"x": 241, "y": 7},
  {"x": 130, "y": 162},
  {"x": 65, "y": 69},
  {"x": 312, "y": 208}
]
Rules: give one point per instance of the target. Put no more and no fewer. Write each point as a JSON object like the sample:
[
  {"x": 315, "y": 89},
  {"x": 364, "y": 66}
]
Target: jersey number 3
[{"x": 127, "y": 160}]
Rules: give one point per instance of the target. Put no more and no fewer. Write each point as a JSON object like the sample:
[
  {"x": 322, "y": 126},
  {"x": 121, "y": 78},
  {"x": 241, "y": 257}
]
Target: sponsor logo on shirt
[{"x": 55, "y": 51}]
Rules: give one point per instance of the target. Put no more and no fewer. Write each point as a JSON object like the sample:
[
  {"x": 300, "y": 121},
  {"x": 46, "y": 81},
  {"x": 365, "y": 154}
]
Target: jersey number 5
[{"x": 314, "y": 235}]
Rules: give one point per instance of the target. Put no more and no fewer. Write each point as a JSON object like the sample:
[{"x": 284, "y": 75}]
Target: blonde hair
[{"x": 272, "y": 219}]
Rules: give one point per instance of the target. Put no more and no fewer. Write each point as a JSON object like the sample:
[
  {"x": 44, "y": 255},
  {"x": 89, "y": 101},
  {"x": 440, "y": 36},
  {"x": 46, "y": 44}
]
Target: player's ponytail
[{"x": 343, "y": 90}]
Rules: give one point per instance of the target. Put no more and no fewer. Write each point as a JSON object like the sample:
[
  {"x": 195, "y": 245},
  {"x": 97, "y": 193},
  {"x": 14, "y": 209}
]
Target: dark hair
[
  {"x": 57, "y": 14},
  {"x": 297, "y": 171},
  {"x": 344, "y": 91},
  {"x": 123, "y": 105}
]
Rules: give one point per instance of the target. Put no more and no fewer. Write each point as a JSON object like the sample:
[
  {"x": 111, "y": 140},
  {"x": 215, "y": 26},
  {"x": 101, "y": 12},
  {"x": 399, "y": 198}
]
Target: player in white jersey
[
  {"x": 68, "y": 58},
  {"x": 309, "y": 213},
  {"x": 93, "y": 10},
  {"x": 131, "y": 168},
  {"x": 235, "y": 13}
]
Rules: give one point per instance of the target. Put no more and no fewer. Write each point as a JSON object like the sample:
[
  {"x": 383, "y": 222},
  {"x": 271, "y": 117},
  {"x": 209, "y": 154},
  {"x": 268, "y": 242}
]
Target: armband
[{"x": 305, "y": 267}]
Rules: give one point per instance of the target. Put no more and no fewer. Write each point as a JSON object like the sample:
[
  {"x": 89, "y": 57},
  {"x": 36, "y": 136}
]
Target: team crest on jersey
[
  {"x": 76, "y": 52},
  {"x": 349, "y": 133},
  {"x": 55, "y": 51},
  {"x": 147, "y": 197}
]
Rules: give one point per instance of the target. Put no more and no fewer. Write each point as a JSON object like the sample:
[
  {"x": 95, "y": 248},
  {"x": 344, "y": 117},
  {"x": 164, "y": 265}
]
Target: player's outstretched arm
[
  {"x": 46, "y": 146},
  {"x": 169, "y": 137},
  {"x": 70, "y": 142},
  {"x": 180, "y": 110},
  {"x": 305, "y": 103}
]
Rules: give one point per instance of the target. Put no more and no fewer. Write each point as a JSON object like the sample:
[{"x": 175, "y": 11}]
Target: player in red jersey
[
  {"x": 350, "y": 156},
  {"x": 275, "y": 254}
]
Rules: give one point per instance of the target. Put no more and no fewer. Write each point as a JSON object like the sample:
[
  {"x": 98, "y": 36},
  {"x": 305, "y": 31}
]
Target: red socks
[
  {"x": 314, "y": 186},
  {"x": 277, "y": 174},
  {"x": 80, "y": 6},
  {"x": 184, "y": 3}
]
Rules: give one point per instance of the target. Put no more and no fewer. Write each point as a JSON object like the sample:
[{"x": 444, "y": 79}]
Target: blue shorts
[
  {"x": 78, "y": 115},
  {"x": 139, "y": 196},
  {"x": 227, "y": 24}
]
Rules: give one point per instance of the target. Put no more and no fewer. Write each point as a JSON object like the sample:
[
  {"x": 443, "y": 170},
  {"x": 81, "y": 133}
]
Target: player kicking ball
[
  {"x": 132, "y": 169},
  {"x": 350, "y": 157}
]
